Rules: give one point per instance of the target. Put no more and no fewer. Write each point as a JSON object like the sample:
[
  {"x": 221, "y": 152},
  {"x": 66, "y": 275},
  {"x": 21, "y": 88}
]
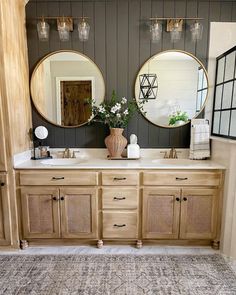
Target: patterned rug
[{"x": 116, "y": 275}]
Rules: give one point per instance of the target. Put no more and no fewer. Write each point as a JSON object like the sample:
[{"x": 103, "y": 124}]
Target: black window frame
[{"x": 231, "y": 108}]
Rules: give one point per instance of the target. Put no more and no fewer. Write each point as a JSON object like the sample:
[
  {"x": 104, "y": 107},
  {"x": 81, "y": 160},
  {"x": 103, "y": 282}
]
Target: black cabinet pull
[
  {"x": 177, "y": 199},
  {"x": 2, "y": 183},
  {"x": 185, "y": 199},
  {"x": 181, "y": 178},
  {"x": 58, "y": 178},
  {"x": 55, "y": 199},
  {"x": 62, "y": 198},
  {"x": 119, "y": 178},
  {"x": 119, "y": 198},
  {"x": 119, "y": 225}
]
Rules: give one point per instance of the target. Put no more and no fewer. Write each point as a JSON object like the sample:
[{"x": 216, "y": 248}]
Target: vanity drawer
[
  {"x": 182, "y": 178},
  {"x": 58, "y": 178},
  {"x": 119, "y": 198},
  {"x": 120, "y": 225},
  {"x": 120, "y": 178}
]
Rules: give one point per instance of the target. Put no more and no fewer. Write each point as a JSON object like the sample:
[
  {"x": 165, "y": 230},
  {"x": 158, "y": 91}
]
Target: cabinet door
[
  {"x": 161, "y": 207},
  {"x": 4, "y": 212},
  {"x": 79, "y": 212},
  {"x": 40, "y": 212},
  {"x": 2, "y": 141},
  {"x": 198, "y": 213}
]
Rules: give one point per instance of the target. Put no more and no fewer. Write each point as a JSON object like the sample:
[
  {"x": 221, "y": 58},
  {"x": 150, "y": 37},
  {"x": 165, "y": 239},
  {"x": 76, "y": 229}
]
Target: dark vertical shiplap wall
[{"x": 119, "y": 44}]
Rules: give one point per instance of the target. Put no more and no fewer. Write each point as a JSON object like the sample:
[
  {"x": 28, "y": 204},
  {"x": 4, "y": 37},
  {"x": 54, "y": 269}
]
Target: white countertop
[{"x": 96, "y": 163}]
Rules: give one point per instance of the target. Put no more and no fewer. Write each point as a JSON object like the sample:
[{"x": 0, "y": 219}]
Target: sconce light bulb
[
  {"x": 83, "y": 30},
  {"x": 196, "y": 31},
  {"x": 43, "y": 30},
  {"x": 156, "y": 31}
]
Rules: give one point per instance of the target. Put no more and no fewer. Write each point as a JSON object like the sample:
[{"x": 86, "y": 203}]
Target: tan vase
[{"x": 115, "y": 142}]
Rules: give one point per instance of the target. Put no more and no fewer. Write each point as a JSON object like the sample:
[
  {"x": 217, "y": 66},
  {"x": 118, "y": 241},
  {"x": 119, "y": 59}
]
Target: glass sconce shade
[
  {"x": 83, "y": 30},
  {"x": 64, "y": 31},
  {"x": 43, "y": 30},
  {"x": 196, "y": 31},
  {"x": 156, "y": 31},
  {"x": 175, "y": 33}
]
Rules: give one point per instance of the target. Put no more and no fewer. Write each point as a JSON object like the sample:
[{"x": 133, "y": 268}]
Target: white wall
[{"x": 222, "y": 38}]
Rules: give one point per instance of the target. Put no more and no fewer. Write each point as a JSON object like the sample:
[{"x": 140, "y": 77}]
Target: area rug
[{"x": 116, "y": 275}]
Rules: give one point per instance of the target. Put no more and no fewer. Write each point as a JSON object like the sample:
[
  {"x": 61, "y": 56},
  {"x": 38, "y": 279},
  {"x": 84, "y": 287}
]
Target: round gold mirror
[
  {"x": 175, "y": 86},
  {"x": 62, "y": 85}
]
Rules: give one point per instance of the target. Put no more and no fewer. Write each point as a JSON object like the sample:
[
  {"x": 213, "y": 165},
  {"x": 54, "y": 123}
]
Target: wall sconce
[
  {"x": 43, "y": 30},
  {"x": 175, "y": 27},
  {"x": 83, "y": 30},
  {"x": 64, "y": 27}
]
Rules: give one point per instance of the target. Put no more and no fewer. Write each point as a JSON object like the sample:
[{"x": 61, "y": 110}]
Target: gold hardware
[
  {"x": 176, "y": 24},
  {"x": 67, "y": 20},
  {"x": 171, "y": 155}
]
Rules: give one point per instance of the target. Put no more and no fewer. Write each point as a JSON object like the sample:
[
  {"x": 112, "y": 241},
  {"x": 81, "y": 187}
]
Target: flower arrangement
[
  {"x": 115, "y": 112},
  {"x": 178, "y": 116}
]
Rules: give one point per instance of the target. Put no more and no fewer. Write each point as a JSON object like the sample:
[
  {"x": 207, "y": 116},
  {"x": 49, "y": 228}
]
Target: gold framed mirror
[
  {"x": 62, "y": 84},
  {"x": 175, "y": 85}
]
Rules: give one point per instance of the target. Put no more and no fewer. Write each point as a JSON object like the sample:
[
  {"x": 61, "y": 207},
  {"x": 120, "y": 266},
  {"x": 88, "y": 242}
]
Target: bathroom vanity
[{"x": 163, "y": 201}]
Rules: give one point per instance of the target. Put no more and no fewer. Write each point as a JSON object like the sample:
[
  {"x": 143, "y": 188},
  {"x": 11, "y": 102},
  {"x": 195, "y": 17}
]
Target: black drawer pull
[
  {"x": 62, "y": 198},
  {"x": 58, "y": 178},
  {"x": 119, "y": 178},
  {"x": 2, "y": 183},
  {"x": 119, "y": 199},
  {"x": 177, "y": 199},
  {"x": 119, "y": 225},
  {"x": 55, "y": 199},
  {"x": 181, "y": 178},
  {"x": 185, "y": 199}
]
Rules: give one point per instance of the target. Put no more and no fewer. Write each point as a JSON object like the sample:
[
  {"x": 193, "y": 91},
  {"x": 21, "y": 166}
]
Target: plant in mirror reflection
[
  {"x": 178, "y": 116},
  {"x": 115, "y": 112}
]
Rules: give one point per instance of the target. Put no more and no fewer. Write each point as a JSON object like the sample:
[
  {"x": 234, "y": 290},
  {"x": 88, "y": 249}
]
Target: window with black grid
[
  {"x": 224, "y": 110},
  {"x": 201, "y": 89}
]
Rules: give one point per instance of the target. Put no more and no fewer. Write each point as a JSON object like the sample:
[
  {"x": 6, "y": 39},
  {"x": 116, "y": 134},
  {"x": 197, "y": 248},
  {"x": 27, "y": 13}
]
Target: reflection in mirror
[
  {"x": 63, "y": 84},
  {"x": 175, "y": 85}
]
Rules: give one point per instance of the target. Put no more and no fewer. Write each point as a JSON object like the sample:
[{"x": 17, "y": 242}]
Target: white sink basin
[{"x": 61, "y": 162}]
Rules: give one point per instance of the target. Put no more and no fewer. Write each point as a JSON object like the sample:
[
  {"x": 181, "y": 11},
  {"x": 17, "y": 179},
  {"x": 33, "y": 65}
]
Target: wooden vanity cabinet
[
  {"x": 174, "y": 213},
  {"x": 5, "y": 238},
  {"x": 53, "y": 212},
  {"x": 198, "y": 217},
  {"x": 182, "y": 205},
  {"x": 161, "y": 209},
  {"x": 156, "y": 206},
  {"x": 40, "y": 212},
  {"x": 120, "y": 203},
  {"x": 63, "y": 211}
]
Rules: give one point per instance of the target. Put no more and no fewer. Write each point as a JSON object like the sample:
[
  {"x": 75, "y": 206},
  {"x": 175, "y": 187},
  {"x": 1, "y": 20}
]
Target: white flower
[
  {"x": 118, "y": 106},
  {"x": 126, "y": 112},
  {"x": 107, "y": 115},
  {"x": 113, "y": 110},
  {"x": 101, "y": 109},
  {"x": 118, "y": 115},
  {"x": 123, "y": 100}
]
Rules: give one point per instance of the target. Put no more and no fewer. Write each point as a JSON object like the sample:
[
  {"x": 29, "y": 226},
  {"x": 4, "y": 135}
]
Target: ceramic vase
[
  {"x": 179, "y": 123},
  {"x": 115, "y": 142}
]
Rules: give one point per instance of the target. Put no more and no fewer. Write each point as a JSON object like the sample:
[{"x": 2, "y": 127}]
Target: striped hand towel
[{"x": 200, "y": 139}]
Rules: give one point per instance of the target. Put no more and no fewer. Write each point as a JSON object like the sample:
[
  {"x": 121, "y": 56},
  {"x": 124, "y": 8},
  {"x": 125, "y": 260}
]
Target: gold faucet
[
  {"x": 171, "y": 155},
  {"x": 67, "y": 153}
]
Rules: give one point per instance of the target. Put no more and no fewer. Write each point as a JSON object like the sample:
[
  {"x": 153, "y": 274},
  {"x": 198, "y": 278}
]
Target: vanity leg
[
  {"x": 24, "y": 244},
  {"x": 139, "y": 244},
  {"x": 216, "y": 244},
  {"x": 100, "y": 244}
]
